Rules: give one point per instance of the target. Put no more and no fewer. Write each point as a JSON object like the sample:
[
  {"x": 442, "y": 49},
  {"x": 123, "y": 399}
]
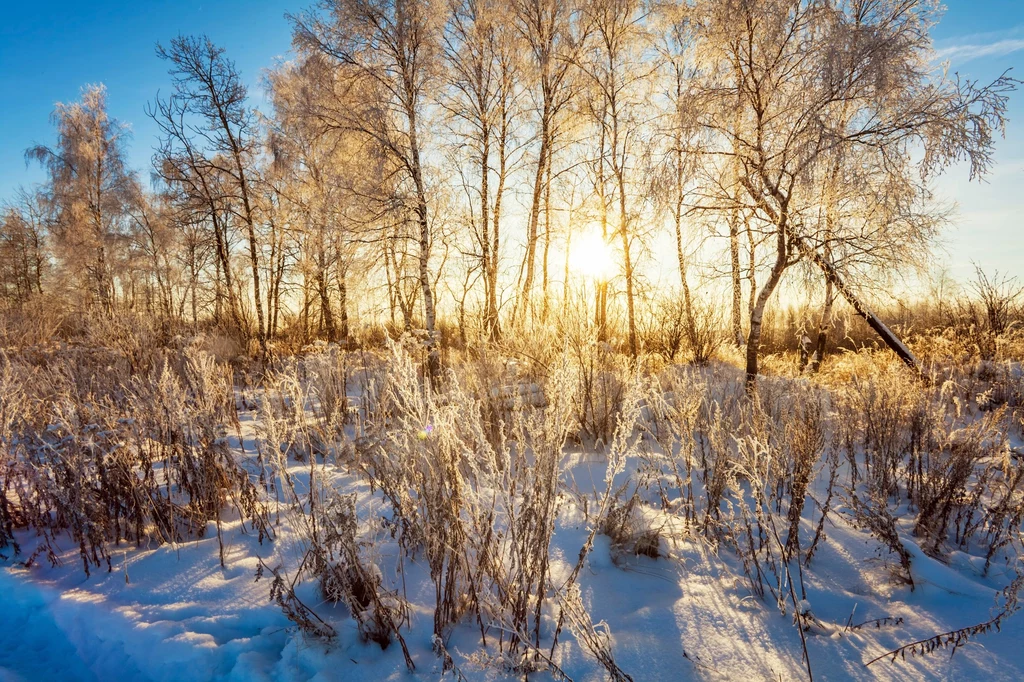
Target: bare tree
[
  {"x": 24, "y": 252},
  {"x": 804, "y": 69},
  {"x": 388, "y": 49},
  {"x": 313, "y": 173},
  {"x": 550, "y": 29},
  {"x": 211, "y": 145},
  {"x": 153, "y": 238},
  {"x": 483, "y": 67},
  {"x": 1000, "y": 297},
  {"x": 680, "y": 138},
  {"x": 193, "y": 256},
  {"x": 619, "y": 65},
  {"x": 88, "y": 188}
]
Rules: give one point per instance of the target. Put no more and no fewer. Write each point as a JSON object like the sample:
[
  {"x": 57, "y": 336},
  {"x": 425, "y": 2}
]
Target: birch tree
[
  {"x": 88, "y": 187},
  {"x": 388, "y": 50},
  {"x": 553, "y": 35},
  {"x": 211, "y": 143},
  {"x": 483, "y": 68},
  {"x": 313, "y": 171},
  {"x": 816, "y": 78},
  {"x": 620, "y": 68}
]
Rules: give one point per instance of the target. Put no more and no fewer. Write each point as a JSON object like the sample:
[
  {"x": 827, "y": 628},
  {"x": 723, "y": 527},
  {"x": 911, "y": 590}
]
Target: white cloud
[{"x": 967, "y": 52}]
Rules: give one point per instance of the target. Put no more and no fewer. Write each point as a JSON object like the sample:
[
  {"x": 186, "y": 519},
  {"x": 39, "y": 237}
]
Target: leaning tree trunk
[{"x": 887, "y": 336}]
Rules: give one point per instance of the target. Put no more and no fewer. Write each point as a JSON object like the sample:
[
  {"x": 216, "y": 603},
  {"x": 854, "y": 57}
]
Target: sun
[{"x": 591, "y": 257}]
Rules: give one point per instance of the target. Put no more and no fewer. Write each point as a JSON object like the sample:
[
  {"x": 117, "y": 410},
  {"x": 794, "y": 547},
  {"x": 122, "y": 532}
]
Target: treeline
[{"x": 429, "y": 157}]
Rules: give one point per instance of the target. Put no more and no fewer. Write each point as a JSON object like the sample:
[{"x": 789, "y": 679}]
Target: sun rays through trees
[{"x": 543, "y": 337}]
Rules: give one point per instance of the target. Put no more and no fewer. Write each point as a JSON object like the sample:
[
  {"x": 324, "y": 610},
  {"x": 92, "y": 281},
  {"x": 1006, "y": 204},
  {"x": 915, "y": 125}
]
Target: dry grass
[{"x": 122, "y": 437}]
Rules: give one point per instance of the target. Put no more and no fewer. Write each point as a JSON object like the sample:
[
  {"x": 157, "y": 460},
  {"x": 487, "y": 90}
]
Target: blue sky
[
  {"x": 48, "y": 50},
  {"x": 981, "y": 39}
]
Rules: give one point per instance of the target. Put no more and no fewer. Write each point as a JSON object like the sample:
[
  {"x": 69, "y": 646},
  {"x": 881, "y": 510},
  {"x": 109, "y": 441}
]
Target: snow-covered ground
[{"x": 172, "y": 612}]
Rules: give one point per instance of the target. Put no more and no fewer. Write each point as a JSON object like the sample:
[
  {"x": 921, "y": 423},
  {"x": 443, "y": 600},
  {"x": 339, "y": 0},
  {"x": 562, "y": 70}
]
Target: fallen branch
[{"x": 954, "y": 638}]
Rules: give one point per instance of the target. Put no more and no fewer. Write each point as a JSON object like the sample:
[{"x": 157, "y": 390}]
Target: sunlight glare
[{"x": 591, "y": 257}]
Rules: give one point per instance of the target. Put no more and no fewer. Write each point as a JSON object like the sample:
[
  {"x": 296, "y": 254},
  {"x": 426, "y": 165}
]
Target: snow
[
  {"x": 181, "y": 616},
  {"x": 173, "y": 613}
]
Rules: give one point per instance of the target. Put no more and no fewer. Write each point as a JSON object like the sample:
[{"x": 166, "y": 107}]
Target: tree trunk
[
  {"x": 220, "y": 239},
  {"x": 532, "y": 226},
  {"x": 824, "y": 323},
  {"x": 756, "y": 317},
  {"x": 734, "y": 230},
  {"x": 306, "y": 302},
  {"x": 737, "y": 289},
  {"x": 601, "y": 295},
  {"x": 751, "y": 267},
  {"x": 494, "y": 330},
  {"x": 218, "y": 295},
  {"x": 343, "y": 305},
  {"x": 101, "y": 281},
  {"x": 325, "y": 298},
  {"x": 278, "y": 280},
  {"x": 677, "y": 215},
  {"x": 254, "y": 262},
  {"x": 565, "y": 269},
  {"x": 39, "y": 259},
  {"x": 627, "y": 263},
  {"x": 830, "y": 202},
  {"x": 547, "y": 241},
  {"x": 691, "y": 323},
  {"x": 619, "y": 169},
  {"x": 433, "y": 356},
  {"x": 490, "y": 312},
  {"x": 757, "y": 314},
  {"x": 392, "y": 295},
  {"x": 195, "y": 285},
  {"x": 888, "y": 337}
]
